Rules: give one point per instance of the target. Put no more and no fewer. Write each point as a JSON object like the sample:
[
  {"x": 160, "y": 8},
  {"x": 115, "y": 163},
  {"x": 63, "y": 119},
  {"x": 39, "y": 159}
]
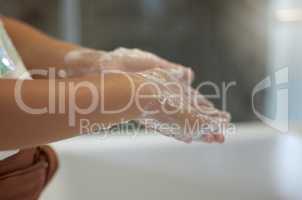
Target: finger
[
  {"x": 219, "y": 138},
  {"x": 208, "y": 138},
  {"x": 180, "y": 72},
  {"x": 184, "y": 91},
  {"x": 198, "y": 99},
  {"x": 188, "y": 76},
  {"x": 137, "y": 60},
  {"x": 211, "y": 128},
  {"x": 187, "y": 140},
  {"x": 214, "y": 113}
]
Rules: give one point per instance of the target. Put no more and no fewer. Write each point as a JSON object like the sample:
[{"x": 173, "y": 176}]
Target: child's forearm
[
  {"x": 20, "y": 129},
  {"x": 36, "y": 48}
]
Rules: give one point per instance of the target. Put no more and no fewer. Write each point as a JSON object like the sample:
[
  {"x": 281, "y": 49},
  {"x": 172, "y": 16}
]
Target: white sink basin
[{"x": 256, "y": 163}]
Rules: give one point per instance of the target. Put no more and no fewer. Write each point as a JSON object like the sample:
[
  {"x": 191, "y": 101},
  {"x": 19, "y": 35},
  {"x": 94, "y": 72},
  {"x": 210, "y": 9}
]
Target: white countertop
[{"x": 255, "y": 163}]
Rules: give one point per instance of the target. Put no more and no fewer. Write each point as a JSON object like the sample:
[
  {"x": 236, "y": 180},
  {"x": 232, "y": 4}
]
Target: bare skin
[
  {"x": 19, "y": 129},
  {"x": 38, "y": 51}
]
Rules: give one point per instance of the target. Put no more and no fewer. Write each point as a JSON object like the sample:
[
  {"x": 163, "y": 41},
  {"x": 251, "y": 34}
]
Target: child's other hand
[{"x": 87, "y": 61}]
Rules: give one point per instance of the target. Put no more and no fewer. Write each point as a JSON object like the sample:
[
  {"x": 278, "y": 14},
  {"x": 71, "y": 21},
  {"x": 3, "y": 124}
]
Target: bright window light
[{"x": 289, "y": 15}]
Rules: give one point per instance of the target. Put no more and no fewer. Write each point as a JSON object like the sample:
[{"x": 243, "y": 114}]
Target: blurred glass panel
[{"x": 285, "y": 47}]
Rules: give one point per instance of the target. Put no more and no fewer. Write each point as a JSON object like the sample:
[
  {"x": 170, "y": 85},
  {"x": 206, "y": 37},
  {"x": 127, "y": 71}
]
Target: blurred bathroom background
[{"x": 223, "y": 41}]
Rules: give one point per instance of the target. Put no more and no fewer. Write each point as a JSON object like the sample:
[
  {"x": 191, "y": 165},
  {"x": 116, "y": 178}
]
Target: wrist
[
  {"x": 83, "y": 61},
  {"x": 81, "y": 57}
]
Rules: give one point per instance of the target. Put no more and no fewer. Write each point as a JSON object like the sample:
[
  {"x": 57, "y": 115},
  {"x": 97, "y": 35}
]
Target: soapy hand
[
  {"x": 178, "y": 111},
  {"x": 182, "y": 112},
  {"x": 87, "y": 61}
]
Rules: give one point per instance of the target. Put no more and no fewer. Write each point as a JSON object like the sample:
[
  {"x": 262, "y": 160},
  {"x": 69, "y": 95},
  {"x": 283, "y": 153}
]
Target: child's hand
[
  {"x": 183, "y": 113},
  {"x": 178, "y": 111},
  {"x": 86, "y": 61}
]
